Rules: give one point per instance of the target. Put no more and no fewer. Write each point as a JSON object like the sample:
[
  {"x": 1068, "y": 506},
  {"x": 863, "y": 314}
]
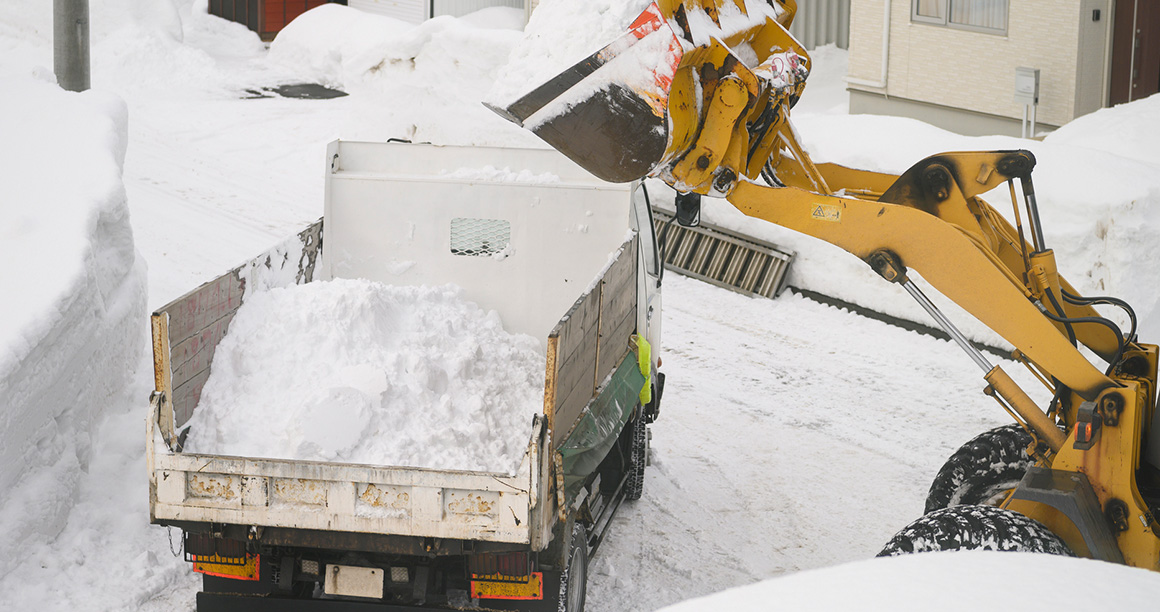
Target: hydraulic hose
[
  {"x": 1104, "y": 300},
  {"x": 1068, "y": 321}
]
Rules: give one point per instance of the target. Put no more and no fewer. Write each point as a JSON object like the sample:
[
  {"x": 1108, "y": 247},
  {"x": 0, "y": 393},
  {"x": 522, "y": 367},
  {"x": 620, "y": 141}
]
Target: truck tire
[
  {"x": 637, "y": 460},
  {"x": 983, "y": 470},
  {"x": 975, "y": 528},
  {"x": 574, "y": 579}
]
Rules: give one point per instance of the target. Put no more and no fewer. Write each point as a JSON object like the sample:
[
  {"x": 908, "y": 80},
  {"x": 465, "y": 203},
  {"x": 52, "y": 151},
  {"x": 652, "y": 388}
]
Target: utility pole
[{"x": 70, "y": 43}]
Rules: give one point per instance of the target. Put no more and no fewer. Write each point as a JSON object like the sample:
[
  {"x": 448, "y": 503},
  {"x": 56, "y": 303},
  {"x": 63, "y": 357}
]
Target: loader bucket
[{"x": 607, "y": 112}]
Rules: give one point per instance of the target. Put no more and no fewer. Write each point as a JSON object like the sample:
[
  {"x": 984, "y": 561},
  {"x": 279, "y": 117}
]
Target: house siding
[
  {"x": 822, "y": 22},
  {"x": 972, "y": 70},
  {"x": 459, "y": 8},
  {"x": 411, "y": 11}
]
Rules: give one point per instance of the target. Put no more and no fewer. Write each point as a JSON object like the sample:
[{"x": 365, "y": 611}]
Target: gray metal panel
[
  {"x": 721, "y": 257},
  {"x": 459, "y": 8},
  {"x": 1071, "y": 493},
  {"x": 822, "y": 22}
]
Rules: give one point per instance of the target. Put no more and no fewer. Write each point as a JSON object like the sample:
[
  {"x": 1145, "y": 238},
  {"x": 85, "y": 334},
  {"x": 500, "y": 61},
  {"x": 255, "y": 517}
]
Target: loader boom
[{"x": 733, "y": 73}]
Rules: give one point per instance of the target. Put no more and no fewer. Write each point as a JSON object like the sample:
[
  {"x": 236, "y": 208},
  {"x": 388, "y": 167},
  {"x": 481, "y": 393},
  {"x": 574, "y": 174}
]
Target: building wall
[
  {"x": 459, "y": 8},
  {"x": 411, "y": 11},
  {"x": 415, "y": 11},
  {"x": 1092, "y": 56},
  {"x": 971, "y": 70},
  {"x": 822, "y": 22}
]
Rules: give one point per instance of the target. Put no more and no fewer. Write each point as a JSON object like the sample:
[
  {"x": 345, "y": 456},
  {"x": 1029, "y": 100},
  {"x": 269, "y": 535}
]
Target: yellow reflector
[
  {"x": 488, "y": 587},
  {"x": 228, "y": 567}
]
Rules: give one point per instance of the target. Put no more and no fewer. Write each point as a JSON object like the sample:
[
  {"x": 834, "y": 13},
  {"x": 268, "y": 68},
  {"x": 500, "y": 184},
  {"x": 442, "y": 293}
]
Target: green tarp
[{"x": 600, "y": 425}]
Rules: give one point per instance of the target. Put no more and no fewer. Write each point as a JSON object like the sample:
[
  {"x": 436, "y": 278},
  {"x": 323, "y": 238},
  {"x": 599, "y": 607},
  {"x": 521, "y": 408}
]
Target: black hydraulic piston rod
[{"x": 1033, "y": 213}]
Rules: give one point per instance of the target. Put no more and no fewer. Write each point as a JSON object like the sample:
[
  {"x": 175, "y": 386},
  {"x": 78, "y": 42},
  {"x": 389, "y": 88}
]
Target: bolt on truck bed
[{"x": 567, "y": 258}]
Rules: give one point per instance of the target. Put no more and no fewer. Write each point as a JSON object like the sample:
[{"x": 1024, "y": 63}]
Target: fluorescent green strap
[{"x": 644, "y": 360}]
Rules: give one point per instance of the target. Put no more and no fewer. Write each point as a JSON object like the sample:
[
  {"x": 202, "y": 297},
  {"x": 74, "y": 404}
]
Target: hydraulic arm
[{"x": 712, "y": 119}]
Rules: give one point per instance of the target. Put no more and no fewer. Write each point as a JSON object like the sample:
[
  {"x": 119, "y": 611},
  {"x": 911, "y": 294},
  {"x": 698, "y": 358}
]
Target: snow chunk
[{"x": 356, "y": 371}]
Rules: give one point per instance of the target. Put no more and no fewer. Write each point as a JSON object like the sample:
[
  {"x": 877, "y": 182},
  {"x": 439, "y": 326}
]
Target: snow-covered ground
[
  {"x": 948, "y": 582},
  {"x": 793, "y": 436}
]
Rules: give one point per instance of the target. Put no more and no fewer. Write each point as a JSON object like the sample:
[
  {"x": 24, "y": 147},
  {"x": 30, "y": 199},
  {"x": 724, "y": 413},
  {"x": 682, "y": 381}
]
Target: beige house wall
[{"x": 967, "y": 69}]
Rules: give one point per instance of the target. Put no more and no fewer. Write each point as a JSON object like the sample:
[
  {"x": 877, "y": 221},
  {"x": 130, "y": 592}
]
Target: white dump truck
[{"x": 558, "y": 254}]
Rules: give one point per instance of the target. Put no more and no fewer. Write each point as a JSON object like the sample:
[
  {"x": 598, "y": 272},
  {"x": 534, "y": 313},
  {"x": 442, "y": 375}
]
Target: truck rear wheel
[
  {"x": 983, "y": 470},
  {"x": 975, "y": 528},
  {"x": 574, "y": 580},
  {"x": 637, "y": 459}
]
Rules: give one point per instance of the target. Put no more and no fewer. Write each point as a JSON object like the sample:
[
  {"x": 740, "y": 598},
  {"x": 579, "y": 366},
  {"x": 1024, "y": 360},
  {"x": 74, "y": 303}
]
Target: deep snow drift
[
  {"x": 361, "y": 372},
  {"x": 793, "y": 436},
  {"x": 948, "y": 582},
  {"x": 70, "y": 327}
]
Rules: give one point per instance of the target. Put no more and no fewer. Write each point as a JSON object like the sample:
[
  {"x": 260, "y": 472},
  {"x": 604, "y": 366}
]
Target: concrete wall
[{"x": 975, "y": 71}]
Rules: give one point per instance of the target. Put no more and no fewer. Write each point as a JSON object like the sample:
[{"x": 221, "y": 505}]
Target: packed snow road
[{"x": 792, "y": 436}]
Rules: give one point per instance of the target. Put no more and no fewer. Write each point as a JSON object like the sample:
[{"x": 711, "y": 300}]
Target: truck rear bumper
[
  {"x": 227, "y": 602},
  {"x": 224, "y": 602}
]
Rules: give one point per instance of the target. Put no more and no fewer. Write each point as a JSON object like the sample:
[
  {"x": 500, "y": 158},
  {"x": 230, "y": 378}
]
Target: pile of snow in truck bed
[{"x": 361, "y": 372}]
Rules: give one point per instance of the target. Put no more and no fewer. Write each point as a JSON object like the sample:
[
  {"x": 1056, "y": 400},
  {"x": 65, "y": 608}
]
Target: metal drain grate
[
  {"x": 722, "y": 257},
  {"x": 479, "y": 237}
]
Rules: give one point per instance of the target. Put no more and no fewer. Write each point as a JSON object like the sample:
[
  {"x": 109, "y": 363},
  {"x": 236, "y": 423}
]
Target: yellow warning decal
[
  {"x": 483, "y": 588},
  {"x": 827, "y": 212},
  {"x": 228, "y": 567}
]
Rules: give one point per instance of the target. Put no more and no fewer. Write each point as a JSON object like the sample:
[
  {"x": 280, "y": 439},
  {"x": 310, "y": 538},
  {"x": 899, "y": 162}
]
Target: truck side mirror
[{"x": 689, "y": 209}]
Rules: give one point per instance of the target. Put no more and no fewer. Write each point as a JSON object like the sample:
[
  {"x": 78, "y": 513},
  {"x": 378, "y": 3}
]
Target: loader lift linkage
[{"x": 710, "y": 121}]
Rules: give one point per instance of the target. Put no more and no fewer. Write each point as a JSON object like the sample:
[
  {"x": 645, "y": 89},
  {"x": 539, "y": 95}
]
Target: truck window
[{"x": 643, "y": 218}]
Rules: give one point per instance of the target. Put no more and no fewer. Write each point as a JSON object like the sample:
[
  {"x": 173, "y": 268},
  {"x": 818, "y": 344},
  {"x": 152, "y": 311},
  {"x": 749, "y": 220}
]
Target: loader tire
[
  {"x": 975, "y": 528},
  {"x": 982, "y": 470},
  {"x": 637, "y": 460}
]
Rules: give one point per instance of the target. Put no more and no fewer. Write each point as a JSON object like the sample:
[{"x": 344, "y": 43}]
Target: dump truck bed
[{"x": 587, "y": 342}]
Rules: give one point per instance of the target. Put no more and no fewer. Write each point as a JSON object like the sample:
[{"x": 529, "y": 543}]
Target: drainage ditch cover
[{"x": 301, "y": 91}]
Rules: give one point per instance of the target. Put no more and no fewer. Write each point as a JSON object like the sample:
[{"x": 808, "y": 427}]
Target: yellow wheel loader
[{"x": 707, "y": 111}]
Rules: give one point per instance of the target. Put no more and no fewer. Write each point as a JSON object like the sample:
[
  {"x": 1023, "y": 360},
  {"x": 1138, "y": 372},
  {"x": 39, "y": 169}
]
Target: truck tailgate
[{"x": 346, "y": 497}]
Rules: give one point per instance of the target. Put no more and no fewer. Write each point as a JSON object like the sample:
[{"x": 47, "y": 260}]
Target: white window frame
[{"x": 946, "y": 22}]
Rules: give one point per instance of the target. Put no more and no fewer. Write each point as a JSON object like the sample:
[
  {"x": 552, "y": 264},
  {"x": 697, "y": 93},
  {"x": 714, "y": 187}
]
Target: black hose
[
  {"x": 1063, "y": 319},
  {"x": 1109, "y": 301},
  {"x": 1068, "y": 321},
  {"x": 769, "y": 176}
]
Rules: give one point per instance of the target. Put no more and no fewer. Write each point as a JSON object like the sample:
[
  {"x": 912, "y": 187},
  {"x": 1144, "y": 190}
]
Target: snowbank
[
  {"x": 346, "y": 47},
  {"x": 948, "y": 582},
  {"x": 559, "y": 34},
  {"x": 361, "y": 372},
  {"x": 71, "y": 331},
  {"x": 1126, "y": 130},
  {"x": 422, "y": 82}
]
